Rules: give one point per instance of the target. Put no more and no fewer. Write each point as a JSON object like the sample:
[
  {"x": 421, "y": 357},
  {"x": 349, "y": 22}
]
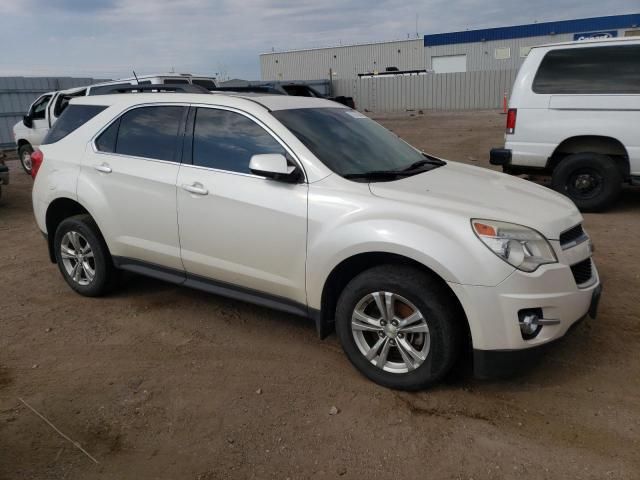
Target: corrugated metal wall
[
  {"x": 444, "y": 91},
  {"x": 348, "y": 61},
  {"x": 17, "y": 93}
]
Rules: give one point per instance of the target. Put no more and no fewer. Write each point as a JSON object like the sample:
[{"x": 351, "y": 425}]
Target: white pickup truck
[
  {"x": 574, "y": 114},
  {"x": 45, "y": 110}
]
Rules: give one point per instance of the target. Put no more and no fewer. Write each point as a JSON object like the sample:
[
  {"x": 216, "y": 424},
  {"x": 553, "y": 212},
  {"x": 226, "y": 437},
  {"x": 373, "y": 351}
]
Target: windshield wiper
[
  {"x": 378, "y": 174},
  {"x": 432, "y": 161},
  {"x": 413, "y": 169}
]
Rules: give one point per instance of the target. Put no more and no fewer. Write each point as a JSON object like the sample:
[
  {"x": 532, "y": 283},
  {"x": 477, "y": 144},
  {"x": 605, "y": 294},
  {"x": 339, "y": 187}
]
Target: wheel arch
[
  {"x": 600, "y": 144},
  {"x": 22, "y": 142},
  {"x": 58, "y": 210},
  {"x": 348, "y": 268}
]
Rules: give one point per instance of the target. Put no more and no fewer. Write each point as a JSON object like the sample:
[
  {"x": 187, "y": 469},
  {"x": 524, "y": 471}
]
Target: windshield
[{"x": 349, "y": 143}]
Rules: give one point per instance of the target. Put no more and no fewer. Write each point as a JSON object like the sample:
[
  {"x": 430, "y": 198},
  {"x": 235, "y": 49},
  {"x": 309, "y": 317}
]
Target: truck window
[
  {"x": 39, "y": 108},
  {"x": 590, "y": 70}
]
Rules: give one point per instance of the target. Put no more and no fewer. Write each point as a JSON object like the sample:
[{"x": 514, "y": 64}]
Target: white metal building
[{"x": 492, "y": 49}]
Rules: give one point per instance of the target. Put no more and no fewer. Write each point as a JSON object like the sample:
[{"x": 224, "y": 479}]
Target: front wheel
[
  {"x": 592, "y": 180},
  {"x": 398, "y": 327},
  {"x": 24, "y": 152}
]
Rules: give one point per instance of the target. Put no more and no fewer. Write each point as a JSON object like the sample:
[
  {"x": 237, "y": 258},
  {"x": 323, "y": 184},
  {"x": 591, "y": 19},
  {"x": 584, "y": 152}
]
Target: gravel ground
[{"x": 163, "y": 382}]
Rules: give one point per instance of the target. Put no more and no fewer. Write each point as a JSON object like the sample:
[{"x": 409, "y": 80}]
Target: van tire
[
  {"x": 592, "y": 180},
  {"x": 26, "y": 163}
]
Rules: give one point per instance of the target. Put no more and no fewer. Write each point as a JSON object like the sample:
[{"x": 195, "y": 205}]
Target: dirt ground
[{"x": 163, "y": 382}]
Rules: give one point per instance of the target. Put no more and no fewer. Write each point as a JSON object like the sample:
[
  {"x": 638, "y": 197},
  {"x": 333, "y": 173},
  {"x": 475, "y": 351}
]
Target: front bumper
[
  {"x": 493, "y": 364},
  {"x": 492, "y": 313}
]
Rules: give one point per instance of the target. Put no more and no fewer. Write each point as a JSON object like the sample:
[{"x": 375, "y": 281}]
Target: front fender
[{"x": 454, "y": 256}]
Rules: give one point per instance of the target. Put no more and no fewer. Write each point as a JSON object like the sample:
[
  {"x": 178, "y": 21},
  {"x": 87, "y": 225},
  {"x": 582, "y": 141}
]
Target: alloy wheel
[
  {"x": 390, "y": 332},
  {"x": 77, "y": 258}
]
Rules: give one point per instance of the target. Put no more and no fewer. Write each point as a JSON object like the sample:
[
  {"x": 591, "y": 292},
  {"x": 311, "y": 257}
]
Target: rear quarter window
[
  {"x": 590, "y": 70},
  {"x": 73, "y": 117}
]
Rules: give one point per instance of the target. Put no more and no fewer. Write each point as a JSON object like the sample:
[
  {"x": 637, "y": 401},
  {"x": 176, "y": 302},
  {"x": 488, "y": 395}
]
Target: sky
[{"x": 110, "y": 38}]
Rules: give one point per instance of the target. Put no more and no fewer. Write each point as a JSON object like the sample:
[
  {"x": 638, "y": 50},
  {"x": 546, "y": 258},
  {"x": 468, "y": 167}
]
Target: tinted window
[
  {"x": 174, "y": 81},
  {"x": 106, "y": 142},
  {"x": 614, "y": 69},
  {"x": 72, "y": 118},
  {"x": 150, "y": 132},
  {"x": 39, "y": 108},
  {"x": 227, "y": 140},
  {"x": 107, "y": 89},
  {"x": 203, "y": 82},
  {"x": 347, "y": 141}
]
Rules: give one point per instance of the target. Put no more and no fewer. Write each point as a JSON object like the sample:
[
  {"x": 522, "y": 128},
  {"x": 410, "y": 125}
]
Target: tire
[
  {"x": 97, "y": 275},
  {"x": 592, "y": 180},
  {"x": 24, "y": 153},
  {"x": 412, "y": 289}
]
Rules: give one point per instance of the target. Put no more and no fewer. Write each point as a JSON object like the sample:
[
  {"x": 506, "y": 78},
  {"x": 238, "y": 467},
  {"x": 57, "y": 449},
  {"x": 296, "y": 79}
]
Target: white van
[
  {"x": 574, "y": 114},
  {"x": 45, "y": 110},
  {"x": 158, "y": 79}
]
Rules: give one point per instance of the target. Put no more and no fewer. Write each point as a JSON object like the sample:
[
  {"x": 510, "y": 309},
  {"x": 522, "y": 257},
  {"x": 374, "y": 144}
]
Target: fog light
[{"x": 529, "y": 320}]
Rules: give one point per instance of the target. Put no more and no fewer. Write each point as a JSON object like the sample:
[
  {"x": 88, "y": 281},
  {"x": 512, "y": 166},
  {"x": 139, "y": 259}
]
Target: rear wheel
[
  {"x": 83, "y": 257},
  {"x": 24, "y": 152},
  {"x": 398, "y": 327},
  {"x": 592, "y": 180}
]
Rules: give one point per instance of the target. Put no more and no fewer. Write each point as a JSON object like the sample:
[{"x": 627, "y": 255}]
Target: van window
[
  {"x": 73, "y": 117},
  {"x": 204, "y": 82},
  {"x": 591, "y": 70},
  {"x": 148, "y": 132},
  {"x": 175, "y": 81}
]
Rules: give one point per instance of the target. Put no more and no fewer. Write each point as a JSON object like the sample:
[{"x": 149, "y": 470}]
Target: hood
[{"x": 481, "y": 193}]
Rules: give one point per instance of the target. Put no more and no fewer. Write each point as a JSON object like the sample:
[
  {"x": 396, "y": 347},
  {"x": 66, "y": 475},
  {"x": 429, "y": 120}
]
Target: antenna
[
  {"x": 417, "y": 16},
  {"x": 136, "y": 77}
]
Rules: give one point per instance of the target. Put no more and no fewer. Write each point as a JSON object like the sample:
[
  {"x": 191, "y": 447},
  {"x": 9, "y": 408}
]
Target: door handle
[
  {"x": 104, "y": 168},
  {"x": 196, "y": 189}
]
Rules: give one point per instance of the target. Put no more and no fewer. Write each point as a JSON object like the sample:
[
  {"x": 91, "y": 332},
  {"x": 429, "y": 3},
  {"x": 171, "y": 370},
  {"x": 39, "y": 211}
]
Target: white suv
[
  {"x": 574, "y": 114},
  {"x": 310, "y": 207}
]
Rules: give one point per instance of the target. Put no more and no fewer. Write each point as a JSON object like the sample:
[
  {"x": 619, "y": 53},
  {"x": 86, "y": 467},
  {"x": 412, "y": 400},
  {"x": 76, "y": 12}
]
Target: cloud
[{"x": 109, "y": 38}]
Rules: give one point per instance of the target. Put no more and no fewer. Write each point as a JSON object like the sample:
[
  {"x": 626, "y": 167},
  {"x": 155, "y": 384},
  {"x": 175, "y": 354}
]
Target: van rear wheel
[{"x": 592, "y": 180}]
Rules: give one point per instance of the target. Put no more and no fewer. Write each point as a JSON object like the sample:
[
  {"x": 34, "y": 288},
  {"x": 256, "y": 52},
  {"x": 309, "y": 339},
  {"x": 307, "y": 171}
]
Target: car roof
[
  {"x": 589, "y": 42},
  {"x": 270, "y": 102}
]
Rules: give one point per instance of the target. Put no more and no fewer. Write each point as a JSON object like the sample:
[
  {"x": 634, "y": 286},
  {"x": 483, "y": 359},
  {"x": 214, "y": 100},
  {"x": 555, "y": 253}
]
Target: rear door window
[
  {"x": 590, "y": 70},
  {"x": 148, "y": 132},
  {"x": 73, "y": 117}
]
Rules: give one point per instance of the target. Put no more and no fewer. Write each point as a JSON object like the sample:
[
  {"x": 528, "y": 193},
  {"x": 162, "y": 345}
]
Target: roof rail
[{"x": 157, "y": 88}]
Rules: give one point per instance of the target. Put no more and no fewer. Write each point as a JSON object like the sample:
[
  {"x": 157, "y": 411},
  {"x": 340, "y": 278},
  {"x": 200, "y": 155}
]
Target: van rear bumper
[{"x": 500, "y": 156}]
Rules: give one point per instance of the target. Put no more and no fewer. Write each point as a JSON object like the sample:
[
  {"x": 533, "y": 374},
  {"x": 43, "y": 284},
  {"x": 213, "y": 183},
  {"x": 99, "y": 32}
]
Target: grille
[
  {"x": 582, "y": 271},
  {"x": 572, "y": 237}
]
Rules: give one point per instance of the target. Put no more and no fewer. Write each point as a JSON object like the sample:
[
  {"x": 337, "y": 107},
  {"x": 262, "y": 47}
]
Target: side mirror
[
  {"x": 27, "y": 121},
  {"x": 274, "y": 166}
]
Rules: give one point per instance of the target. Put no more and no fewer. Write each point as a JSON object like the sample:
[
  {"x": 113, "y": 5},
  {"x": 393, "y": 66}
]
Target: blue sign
[{"x": 595, "y": 35}]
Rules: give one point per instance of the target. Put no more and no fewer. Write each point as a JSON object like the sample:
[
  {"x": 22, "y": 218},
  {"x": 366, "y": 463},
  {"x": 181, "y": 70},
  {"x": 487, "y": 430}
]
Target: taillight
[
  {"x": 36, "y": 161},
  {"x": 511, "y": 120}
]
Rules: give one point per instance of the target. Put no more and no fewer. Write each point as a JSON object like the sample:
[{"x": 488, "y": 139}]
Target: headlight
[{"x": 520, "y": 246}]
